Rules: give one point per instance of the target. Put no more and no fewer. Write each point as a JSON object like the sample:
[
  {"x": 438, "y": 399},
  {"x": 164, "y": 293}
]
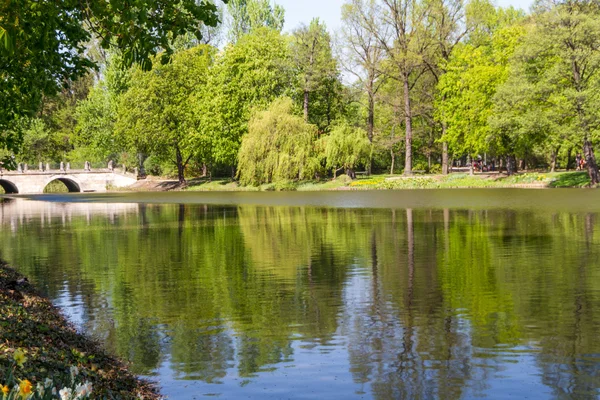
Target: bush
[{"x": 345, "y": 179}]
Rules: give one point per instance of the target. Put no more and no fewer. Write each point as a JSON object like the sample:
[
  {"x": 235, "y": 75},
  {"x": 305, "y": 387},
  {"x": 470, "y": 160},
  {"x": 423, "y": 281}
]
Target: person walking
[{"x": 578, "y": 160}]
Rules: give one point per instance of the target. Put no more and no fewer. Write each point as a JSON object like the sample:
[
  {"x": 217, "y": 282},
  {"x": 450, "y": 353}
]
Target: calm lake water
[{"x": 370, "y": 295}]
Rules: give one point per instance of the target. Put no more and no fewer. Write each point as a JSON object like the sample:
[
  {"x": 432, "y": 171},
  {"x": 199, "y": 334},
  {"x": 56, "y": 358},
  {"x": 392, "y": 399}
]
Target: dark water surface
[{"x": 369, "y": 295}]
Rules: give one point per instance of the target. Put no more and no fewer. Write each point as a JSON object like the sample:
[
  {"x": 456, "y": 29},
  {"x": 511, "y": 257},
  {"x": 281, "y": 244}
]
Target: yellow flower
[
  {"x": 5, "y": 389},
  {"x": 19, "y": 357},
  {"x": 25, "y": 388}
]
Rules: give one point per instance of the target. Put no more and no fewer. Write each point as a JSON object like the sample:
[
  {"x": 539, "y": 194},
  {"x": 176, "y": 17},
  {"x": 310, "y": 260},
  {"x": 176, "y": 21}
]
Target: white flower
[
  {"x": 40, "y": 389},
  {"x": 65, "y": 394},
  {"x": 48, "y": 382},
  {"x": 83, "y": 390},
  {"x": 54, "y": 391},
  {"x": 74, "y": 371}
]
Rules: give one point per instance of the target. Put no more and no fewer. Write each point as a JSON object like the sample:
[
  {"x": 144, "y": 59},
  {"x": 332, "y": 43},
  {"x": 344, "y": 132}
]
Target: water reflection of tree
[
  {"x": 215, "y": 288},
  {"x": 569, "y": 360},
  {"x": 201, "y": 353},
  {"x": 400, "y": 340}
]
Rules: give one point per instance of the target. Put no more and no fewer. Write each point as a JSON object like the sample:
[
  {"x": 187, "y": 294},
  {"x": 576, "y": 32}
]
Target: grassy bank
[
  {"x": 41, "y": 351},
  {"x": 383, "y": 182}
]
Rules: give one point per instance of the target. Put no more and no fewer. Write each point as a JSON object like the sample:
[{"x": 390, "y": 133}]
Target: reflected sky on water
[{"x": 378, "y": 295}]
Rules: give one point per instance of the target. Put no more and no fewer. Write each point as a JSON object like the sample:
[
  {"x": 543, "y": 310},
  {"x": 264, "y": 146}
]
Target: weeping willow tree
[
  {"x": 346, "y": 148},
  {"x": 279, "y": 147}
]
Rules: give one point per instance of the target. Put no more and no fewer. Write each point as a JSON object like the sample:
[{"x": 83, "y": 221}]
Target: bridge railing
[{"x": 65, "y": 167}]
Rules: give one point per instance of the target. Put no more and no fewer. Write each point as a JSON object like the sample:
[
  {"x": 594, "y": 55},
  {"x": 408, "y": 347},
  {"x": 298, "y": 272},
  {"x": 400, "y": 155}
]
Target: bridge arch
[
  {"x": 9, "y": 187},
  {"x": 72, "y": 185}
]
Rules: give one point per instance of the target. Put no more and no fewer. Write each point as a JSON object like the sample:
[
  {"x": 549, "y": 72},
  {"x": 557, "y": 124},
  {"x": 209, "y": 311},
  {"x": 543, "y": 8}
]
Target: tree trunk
[
  {"x": 350, "y": 172},
  {"x": 569, "y": 158},
  {"x": 511, "y": 165},
  {"x": 371, "y": 128},
  {"x": 429, "y": 162},
  {"x": 590, "y": 159},
  {"x": 445, "y": 164},
  {"x": 204, "y": 170},
  {"x": 233, "y": 172},
  {"x": 141, "y": 169},
  {"x": 180, "y": 166},
  {"x": 470, "y": 162},
  {"x": 306, "y": 93},
  {"x": 409, "y": 132},
  {"x": 553, "y": 161},
  {"x": 393, "y": 162},
  {"x": 588, "y": 150}
]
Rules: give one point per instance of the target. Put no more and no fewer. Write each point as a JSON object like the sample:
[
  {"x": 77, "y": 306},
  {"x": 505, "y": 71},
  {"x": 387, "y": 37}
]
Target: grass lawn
[{"x": 382, "y": 182}]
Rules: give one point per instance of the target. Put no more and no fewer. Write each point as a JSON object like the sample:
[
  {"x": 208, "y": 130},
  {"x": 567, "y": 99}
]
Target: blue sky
[{"x": 302, "y": 11}]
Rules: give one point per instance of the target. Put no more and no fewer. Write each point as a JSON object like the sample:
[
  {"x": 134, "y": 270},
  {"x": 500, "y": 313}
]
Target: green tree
[
  {"x": 36, "y": 139},
  {"x": 246, "y": 15},
  {"x": 466, "y": 90},
  {"x": 316, "y": 70},
  {"x": 362, "y": 55},
  {"x": 450, "y": 23},
  {"x": 155, "y": 113},
  {"x": 347, "y": 147},
  {"x": 248, "y": 75},
  {"x": 406, "y": 48},
  {"x": 279, "y": 146},
  {"x": 42, "y": 45},
  {"x": 49, "y": 135},
  {"x": 96, "y": 116},
  {"x": 559, "y": 67}
]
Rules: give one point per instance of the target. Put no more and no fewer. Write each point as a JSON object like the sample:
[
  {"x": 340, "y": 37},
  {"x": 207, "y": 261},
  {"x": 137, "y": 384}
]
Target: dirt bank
[{"x": 29, "y": 323}]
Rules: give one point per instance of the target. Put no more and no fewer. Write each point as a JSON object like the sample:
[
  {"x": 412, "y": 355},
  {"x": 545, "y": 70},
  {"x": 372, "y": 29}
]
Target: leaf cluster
[{"x": 279, "y": 146}]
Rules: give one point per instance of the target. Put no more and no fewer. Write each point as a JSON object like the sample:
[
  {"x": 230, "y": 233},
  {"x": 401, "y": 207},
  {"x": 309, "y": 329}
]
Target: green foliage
[
  {"x": 279, "y": 147},
  {"x": 56, "y": 186},
  {"x": 247, "y": 15},
  {"x": 316, "y": 71},
  {"x": 346, "y": 147},
  {"x": 36, "y": 139},
  {"x": 551, "y": 98},
  {"x": 42, "y": 45},
  {"x": 471, "y": 76},
  {"x": 96, "y": 117},
  {"x": 155, "y": 114},
  {"x": 467, "y": 89},
  {"x": 95, "y": 137},
  {"x": 248, "y": 75}
]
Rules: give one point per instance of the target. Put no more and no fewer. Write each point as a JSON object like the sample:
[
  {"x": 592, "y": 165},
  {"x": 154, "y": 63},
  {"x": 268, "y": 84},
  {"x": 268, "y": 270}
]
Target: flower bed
[{"x": 43, "y": 357}]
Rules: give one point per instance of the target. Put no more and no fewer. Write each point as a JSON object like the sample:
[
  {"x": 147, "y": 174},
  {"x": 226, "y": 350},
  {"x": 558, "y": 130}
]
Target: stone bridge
[{"x": 85, "y": 180}]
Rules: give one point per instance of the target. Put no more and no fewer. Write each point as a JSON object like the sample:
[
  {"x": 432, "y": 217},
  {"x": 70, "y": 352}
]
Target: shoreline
[
  {"x": 528, "y": 180},
  {"x": 29, "y": 322}
]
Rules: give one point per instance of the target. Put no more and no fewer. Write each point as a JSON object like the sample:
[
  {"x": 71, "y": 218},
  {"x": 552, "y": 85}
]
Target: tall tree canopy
[
  {"x": 433, "y": 81},
  {"x": 248, "y": 75},
  {"x": 42, "y": 44},
  {"x": 162, "y": 120},
  {"x": 466, "y": 90},
  {"x": 247, "y": 15},
  {"x": 557, "y": 75},
  {"x": 316, "y": 69}
]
